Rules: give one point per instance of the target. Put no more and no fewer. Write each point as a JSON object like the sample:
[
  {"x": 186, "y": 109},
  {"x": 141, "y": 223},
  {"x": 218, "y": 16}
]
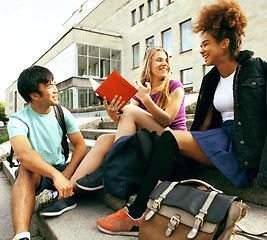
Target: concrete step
[
  {"x": 81, "y": 221},
  {"x": 95, "y": 133}
]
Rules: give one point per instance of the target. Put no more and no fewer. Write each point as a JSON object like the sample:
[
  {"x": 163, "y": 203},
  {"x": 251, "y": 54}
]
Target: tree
[{"x": 2, "y": 112}]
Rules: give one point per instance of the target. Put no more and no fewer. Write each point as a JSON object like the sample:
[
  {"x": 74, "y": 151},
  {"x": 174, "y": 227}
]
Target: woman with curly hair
[{"x": 230, "y": 126}]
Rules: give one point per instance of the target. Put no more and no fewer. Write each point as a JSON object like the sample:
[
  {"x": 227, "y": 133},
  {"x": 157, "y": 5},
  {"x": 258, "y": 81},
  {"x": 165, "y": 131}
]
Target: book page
[{"x": 94, "y": 84}]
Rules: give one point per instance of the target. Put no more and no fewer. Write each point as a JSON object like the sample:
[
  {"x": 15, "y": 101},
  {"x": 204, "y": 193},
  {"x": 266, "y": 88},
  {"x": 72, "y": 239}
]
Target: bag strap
[
  {"x": 146, "y": 143},
  {"x": 199, "y": 218},
  {"x": 60, "y": 118},
  {"x": 157, "y": 202},
  {"x": 10, "y": 159},
  {"x": 210, "y": 187},
  {"x": 250, "y": 234},
  {"x": 64, "y": 143}
]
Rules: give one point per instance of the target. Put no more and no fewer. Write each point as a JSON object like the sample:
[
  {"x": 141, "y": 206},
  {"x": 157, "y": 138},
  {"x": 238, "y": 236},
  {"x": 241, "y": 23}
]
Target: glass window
[
  {"x": 93, "y": 51},
  {"x": 150, "y": 42},
  {"x": 160, "y": 4},
  {"x": 150, "y": 7},
  {"x": 136, "y": 55},
  {"x": 82, "y": 49},
  {"x": 186, "y": 36},
  {"x": 134, "y": 21},
  {"x": 142, "y": 12},
  {"x": 166, "y": 41},
  {"x": 187, "y": 79},
  {"x": 82, "y": 66},
  {"x": 170, "y": 1},
  {"x": 115, "y": 54},
  {"x": 93, "y": 67}
]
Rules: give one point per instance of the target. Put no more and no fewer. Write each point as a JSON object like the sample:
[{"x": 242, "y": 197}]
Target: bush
[{"x": 4, "y": 138}]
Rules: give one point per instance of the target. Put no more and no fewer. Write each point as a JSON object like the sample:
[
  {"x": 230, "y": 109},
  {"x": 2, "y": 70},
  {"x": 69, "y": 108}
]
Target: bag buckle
[
  {"x": 197, "y": 217},
  {"x": 157, "y": 204},
  {"x": 173, "y": 223}
]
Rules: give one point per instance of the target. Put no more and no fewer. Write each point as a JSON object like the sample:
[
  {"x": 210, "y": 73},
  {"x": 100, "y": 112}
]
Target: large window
[
  {"x": 150, "y": 7},
  {"x": 97, "y": 62},
  {"x": 160, "y": 4},
  {"x": 134, "y": 20},
  {"x": 150, "y": 42},
  {"x": 166, "y": 41},
  {"x": 186, "y": 36},
  {"x": 142, "y": 12},
  {"x": 187, "y": 79},
  {"x": 136, "y": 55}
]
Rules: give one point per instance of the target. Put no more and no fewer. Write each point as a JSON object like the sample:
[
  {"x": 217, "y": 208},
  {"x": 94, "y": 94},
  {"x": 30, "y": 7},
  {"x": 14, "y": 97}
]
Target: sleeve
[
  {"x": 262, "y": 176},
  {"x": 174, "y": 84},
  {"x": 137, "y": 99},
  {"x": 17, "y": 127},
  {"x": 71, "y": 124}
]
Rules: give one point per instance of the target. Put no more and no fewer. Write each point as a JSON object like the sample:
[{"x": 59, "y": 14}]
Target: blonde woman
[{"x": 158, "y": 106}]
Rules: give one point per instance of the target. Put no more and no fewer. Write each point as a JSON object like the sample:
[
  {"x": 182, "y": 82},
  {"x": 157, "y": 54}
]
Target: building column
[{"x": 75, "y": 98}]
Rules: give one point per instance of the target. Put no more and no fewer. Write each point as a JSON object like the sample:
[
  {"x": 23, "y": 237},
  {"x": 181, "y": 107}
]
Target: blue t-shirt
[{"x": 43, "y": 132}]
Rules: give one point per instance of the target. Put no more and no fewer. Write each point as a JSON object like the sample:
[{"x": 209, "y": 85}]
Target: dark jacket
[{"x": 250, "y": 113}]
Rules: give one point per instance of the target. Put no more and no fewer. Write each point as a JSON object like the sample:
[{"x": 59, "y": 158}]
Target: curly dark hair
[{"x": 223, "y": 19}]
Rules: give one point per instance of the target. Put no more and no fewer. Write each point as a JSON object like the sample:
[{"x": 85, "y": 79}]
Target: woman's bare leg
[
  {"x": 134, "y": 118},
  {"x": 190, "y": 148},
  {"x": 93, "y": 160}
]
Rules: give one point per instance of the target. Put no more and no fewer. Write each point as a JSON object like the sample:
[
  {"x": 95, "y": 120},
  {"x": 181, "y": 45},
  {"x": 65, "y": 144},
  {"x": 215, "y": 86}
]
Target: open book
[{"x": 114, "y": 85}]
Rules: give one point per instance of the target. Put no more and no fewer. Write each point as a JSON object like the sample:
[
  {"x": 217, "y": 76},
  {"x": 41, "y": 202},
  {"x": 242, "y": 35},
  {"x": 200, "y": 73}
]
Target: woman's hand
[
  {"x": 143, "y": 92},
  {"x": 114, "y": 106}
]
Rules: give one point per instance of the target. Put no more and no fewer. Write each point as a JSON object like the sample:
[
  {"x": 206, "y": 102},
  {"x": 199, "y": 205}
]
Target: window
[
  {"x": 136, "y": 55},
  {"x": 150, "y": 42},
  {"x": 186, "y": 36},
  {"x": 187, "y": 79},
  {"x": 150, "y": 7},
  {"x": 160, "y": 4},
  {"x": 134, "y": 21},
  {"x": 97, "y": 61},
  {"x": 170, "y": 1},
  {"x": 142, "y": 12},
  {"x": 166, "y": 41}
]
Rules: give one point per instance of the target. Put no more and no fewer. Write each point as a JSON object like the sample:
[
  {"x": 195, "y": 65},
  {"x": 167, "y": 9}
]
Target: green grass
[{"x": 4, "y": 138}]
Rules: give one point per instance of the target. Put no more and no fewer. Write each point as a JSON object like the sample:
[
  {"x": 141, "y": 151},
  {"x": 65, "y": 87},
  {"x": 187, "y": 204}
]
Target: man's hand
[{"x": 63, "y": 186}]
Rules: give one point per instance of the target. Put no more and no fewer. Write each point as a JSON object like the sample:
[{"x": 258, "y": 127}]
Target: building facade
[{"x": 115, "y": 35}]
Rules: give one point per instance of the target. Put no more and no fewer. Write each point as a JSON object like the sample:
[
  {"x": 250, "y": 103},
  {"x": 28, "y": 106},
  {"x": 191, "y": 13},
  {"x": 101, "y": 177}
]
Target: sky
[{"x": 28, "y": 29}]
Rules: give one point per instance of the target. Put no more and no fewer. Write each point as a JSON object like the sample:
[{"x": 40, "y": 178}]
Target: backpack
[
  {"x": 64, "y": 144},
  {"x": 127, "y": 161}
]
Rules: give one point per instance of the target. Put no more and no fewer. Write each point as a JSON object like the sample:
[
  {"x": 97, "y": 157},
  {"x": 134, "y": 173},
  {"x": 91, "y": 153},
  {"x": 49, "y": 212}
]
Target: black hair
[{"x": 30, "y": 78}]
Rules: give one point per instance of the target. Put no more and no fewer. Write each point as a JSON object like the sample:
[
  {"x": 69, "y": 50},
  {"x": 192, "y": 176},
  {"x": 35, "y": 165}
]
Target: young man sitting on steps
[{"x": 35, "y": 135}]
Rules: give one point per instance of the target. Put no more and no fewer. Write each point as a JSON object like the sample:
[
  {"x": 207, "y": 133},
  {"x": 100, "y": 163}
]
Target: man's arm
[
  {"x": 33, "y": 161},
  {"x": 78, "y": 154}
]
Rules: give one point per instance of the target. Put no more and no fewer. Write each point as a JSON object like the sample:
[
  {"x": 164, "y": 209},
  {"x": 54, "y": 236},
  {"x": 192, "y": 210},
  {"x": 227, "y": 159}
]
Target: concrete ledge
[{"x": 254, "y": 194}]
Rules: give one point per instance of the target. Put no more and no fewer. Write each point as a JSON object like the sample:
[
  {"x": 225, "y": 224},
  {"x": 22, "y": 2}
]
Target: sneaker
[
  {"x": 91, "y": 182},
  {"x": 43, "y": 200},
  {"x": 59, "y": 206},
  {"x": 120, "y": 223},
  {"x": 19, "y": 239}
]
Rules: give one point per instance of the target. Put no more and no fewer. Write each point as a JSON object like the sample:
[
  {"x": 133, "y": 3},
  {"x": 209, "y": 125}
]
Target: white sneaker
[{"x": 44, "y": 199}]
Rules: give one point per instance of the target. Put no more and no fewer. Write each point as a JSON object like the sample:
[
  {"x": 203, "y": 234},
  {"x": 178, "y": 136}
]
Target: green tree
[{"x": 2, "y": 112}]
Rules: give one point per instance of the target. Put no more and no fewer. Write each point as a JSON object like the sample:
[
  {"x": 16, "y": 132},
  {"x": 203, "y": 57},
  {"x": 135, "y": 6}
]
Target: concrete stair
[{"x": 81, "y": 221}]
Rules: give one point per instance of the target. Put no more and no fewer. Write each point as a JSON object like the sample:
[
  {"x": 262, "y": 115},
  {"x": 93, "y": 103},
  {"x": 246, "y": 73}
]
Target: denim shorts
[{"x": 46, "y": 182}]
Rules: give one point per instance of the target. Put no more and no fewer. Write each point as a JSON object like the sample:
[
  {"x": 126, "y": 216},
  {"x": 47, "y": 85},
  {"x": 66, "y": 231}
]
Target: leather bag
[{"x": 181, "y": 210}]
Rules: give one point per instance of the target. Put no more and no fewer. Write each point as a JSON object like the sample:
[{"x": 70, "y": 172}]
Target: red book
[{"x": 114, "y": 85}]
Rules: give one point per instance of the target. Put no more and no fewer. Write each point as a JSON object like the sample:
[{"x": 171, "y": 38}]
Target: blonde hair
[{"x": 164, "y": 95}]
